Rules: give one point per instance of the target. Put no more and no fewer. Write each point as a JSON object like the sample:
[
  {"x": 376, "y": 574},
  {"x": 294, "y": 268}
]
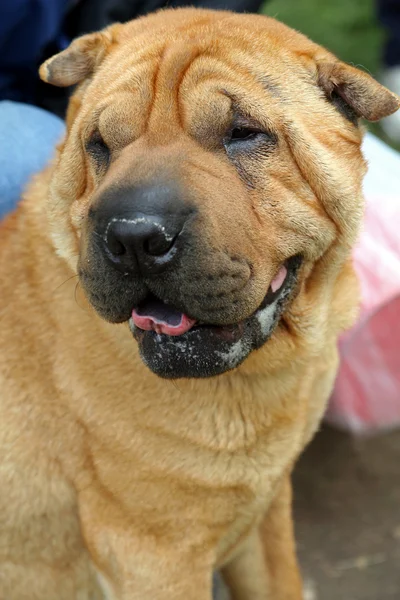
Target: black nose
[
  {"x": 142, "y": 238},
  {"x": 141, "y": 227}
]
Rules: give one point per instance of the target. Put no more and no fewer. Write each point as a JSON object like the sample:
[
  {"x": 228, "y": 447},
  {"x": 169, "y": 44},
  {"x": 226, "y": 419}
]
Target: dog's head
[{"x": 211, "y": 161}]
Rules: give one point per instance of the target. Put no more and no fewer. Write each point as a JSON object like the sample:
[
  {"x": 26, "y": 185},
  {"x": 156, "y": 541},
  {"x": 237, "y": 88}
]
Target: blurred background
[
  {"x": 347, "y": 484},
  {"x": 365, "y": 33}
]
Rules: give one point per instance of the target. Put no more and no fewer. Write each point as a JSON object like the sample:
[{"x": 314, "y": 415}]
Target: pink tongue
[
  {"x": 279, "y": 279},
  {"x": 150, "y": 323}
]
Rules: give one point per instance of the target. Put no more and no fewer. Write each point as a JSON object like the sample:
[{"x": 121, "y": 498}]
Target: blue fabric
[
  {"x": 27, "y": 138},
  {"x": 26, "y": 27},
  {"x": 389, "y": 16}
]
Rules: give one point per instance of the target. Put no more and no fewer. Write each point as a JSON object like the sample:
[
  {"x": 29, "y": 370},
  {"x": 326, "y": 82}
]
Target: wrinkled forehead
[{"x": 197, "y": 79}]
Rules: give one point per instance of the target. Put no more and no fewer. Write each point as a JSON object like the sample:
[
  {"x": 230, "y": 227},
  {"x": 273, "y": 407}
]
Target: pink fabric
[{"x": 367, "y": 391}]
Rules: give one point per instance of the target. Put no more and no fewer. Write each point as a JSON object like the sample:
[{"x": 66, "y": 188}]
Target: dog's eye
[
  {"x": 245, "y": 139},
  {"x": 240, "y": 134},
  {"x": 98, "y": 149}
]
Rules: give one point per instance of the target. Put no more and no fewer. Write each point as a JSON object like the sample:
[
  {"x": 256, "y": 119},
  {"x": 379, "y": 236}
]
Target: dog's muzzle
[{"x": 186, "y": 302}]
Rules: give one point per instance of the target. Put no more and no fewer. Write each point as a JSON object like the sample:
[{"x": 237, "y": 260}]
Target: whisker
[
  {"x": 69, "y": 279},
  {"x": 75, "y": 297},
  {"x": 175, "y": 384}
]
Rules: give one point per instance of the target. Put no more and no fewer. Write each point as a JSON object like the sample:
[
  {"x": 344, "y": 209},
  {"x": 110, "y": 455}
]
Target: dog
[{"x": 173, "y": 287}]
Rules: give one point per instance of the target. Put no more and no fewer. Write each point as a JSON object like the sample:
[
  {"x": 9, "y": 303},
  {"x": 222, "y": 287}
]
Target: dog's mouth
[
  {"x": 173, "y": 344},
  {"x": 154, "y": 315}
]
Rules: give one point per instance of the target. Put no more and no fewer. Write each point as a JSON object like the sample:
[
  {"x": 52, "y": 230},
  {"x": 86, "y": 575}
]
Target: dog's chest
[
  {"x": 182, "y": 469},
  {"x": 160, "y": 485}
]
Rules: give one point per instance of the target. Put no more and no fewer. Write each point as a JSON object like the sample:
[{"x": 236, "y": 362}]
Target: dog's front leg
[
  {"x": 188, "y": 584},
  {"x": 266, "y": 568},
  {"x": 145, "y": 582},
  {"x": 139, "y": 561}
]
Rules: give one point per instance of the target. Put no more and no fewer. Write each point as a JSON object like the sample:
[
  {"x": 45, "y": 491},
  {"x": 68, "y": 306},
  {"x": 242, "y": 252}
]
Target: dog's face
[{"x": 211, "y": 161}]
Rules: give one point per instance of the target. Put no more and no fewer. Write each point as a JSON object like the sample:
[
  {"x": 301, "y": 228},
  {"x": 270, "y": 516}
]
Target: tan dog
[{"x": 206, "y": 198}]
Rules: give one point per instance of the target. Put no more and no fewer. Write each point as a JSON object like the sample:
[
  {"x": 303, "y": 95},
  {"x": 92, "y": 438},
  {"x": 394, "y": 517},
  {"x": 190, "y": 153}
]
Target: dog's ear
[
  {"x": 80, "y": 59},
  {"x": 356, "y": 90}
]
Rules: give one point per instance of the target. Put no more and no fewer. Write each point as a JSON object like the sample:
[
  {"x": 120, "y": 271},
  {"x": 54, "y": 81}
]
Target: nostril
[
  {"x": 158, "y": 244},
  {"x": 115, "y": 246}
]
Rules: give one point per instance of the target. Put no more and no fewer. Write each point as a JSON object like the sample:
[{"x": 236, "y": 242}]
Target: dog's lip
[{"x": 154, "y": 315}]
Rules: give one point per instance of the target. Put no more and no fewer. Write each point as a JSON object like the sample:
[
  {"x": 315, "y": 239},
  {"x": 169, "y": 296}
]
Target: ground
[
  {"x": 347, "y": 508},
  {"x": 347, "y": 513}
]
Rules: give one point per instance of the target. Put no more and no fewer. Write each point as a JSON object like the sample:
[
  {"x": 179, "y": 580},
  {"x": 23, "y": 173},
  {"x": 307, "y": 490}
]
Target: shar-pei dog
[{"x": 172, "y": 290}]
